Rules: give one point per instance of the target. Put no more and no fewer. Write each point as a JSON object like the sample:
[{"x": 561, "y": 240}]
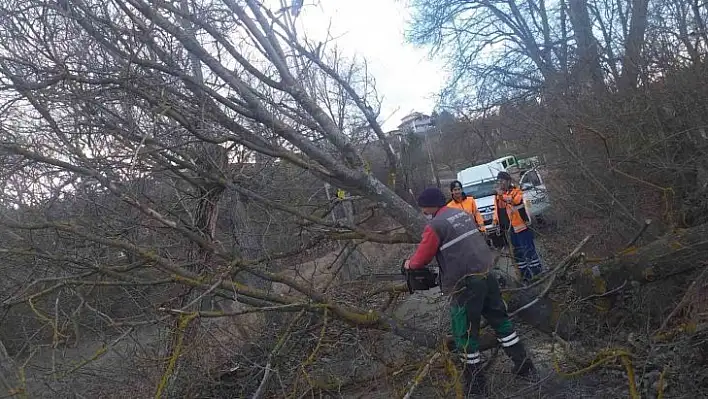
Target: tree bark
[
  {"x": 205, "y": 218},
  {"x": 587, "y": 68},
  {"x": 633, "y": 45},
  {"x": 677, "y": 252},
  {"x": 208, "y": 157}
]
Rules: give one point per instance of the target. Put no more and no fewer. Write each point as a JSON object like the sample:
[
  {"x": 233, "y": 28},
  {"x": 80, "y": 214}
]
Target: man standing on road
[
  {"x": 510, "y": 214},
  {"x": 453, "y": 238},
  {"x": 464, "y": 202}
]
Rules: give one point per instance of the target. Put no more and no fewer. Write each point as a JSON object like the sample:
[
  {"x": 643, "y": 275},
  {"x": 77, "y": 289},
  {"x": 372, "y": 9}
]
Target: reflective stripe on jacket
[
  {"x": 512, "y": 200},
  {"x": 454, "y": 240},
  {"x": 469, "y": 205}
]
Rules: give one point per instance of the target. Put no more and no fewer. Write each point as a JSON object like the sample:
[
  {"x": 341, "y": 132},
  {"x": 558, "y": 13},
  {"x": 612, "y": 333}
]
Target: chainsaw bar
[{"x": 383, "y": 277}]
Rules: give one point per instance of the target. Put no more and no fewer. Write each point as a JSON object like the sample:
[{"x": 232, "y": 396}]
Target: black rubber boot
[
  {"x": 536, "y": 270},
  {"x": 475, "y": 383},
  {"x": 523, "y": 365}
]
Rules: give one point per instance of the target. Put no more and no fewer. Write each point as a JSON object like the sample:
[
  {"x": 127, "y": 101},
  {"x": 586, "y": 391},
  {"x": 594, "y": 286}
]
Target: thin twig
[
  {"x": 627, "y": 247},
  {"x": 278, "y": 308},
  {"x": 564, "y": 264},
  {"x": 567, "y": 261},
  {"x": 639, "y": 235},
  {"x": 604, "y": 294},
  {"x": 205, "y": 293},
  {"x": 420, "y": 375},
  {"x": 682, "y": 303},
  {"x": 283, "y": 339}
]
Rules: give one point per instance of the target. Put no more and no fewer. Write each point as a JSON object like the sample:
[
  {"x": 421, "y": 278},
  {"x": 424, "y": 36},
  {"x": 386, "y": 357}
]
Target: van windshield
[{"x": 480, "y": 190}]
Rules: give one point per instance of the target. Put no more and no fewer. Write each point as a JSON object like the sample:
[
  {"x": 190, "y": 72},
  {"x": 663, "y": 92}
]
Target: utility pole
[{"x": 431, "y": 158}]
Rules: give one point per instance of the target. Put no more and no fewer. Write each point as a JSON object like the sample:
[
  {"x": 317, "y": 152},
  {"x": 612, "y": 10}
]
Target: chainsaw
[
  {"x": 420, "y": 279},
  {"x": 416, "y": 279}
]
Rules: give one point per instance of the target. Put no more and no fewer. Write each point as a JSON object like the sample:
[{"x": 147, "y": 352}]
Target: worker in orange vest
[
  {"x": 510, "y": 214},
  {"x": 466, "y": 203}
]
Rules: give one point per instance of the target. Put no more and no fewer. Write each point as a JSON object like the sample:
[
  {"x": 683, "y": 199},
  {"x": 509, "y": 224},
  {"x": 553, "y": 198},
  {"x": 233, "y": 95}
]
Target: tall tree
[
  {"x": 504, "y": 49},
  {"x": 117, "y": 92}
]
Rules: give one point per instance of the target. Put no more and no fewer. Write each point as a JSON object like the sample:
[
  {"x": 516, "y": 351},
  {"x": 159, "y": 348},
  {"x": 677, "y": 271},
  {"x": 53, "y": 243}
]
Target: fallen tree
[
  {"x": 599, "y": 280},
  {"x": 677, "y": 252}
]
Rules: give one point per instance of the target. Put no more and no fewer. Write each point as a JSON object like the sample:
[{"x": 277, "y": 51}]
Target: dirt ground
[{"x": 425, "y": 310}]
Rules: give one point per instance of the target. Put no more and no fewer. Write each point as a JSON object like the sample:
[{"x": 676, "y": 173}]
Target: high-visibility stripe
[
  {"x": 458, "y": 239},
  {"x": 523, "y": 265},
  {"x": 509, "y": 340},
  {"x": 508, "y": 337},
  {"x": 517, "y": 207},
  {"x": 471, "y": 358}
]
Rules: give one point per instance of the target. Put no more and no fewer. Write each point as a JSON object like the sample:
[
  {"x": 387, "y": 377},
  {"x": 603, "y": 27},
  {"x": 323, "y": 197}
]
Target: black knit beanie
[{"x": 431, "y": 197}]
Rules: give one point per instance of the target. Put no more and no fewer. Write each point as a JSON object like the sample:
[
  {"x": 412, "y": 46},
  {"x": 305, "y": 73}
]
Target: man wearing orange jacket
[
  {"x": 466, "y": 203},
  {"x": 510, "y": 214}
]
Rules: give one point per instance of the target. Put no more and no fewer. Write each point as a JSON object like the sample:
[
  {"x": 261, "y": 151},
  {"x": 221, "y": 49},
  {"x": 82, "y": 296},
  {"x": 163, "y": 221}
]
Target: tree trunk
[
  {"x": 208, "y": 157},
  {"x": 587, "y": 67},
  {"x": 244, "y": 231},
  {"x": 633, "y": 45},
  {"x": 677, "y": 252},
  {"x": 205, "y": 217},
  {"x": 396, "y": 207}
]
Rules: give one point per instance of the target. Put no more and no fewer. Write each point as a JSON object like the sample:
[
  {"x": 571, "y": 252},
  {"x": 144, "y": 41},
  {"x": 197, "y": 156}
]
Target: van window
[
  {"x": 531, "y": 178},
  {"x": 481, "y": 190}
]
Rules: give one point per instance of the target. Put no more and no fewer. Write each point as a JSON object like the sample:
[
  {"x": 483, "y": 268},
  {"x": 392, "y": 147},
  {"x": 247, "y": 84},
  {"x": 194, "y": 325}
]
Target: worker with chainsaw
[
  {"x": 460, "y": 200},
  {"x": 453, "y": 238},
  {"x": 511, "y": 217}
]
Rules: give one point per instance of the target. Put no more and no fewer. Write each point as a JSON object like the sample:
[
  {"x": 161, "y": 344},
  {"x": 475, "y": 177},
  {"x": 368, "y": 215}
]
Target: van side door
[{"x": 535, "y": 192}]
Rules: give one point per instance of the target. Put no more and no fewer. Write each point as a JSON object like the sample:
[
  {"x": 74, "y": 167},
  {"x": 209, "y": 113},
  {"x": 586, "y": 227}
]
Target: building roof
[{"x": 413, "y": 116}]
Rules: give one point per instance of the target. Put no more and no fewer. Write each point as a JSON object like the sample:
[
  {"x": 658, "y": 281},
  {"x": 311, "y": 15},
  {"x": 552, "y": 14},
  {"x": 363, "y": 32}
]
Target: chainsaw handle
[
  {"x": 404, "y": 272},
  {"x": 403, "y": 267}
]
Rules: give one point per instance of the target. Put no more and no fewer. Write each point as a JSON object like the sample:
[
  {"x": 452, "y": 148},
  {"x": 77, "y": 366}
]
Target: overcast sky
[{"x": 373, "y": 29}]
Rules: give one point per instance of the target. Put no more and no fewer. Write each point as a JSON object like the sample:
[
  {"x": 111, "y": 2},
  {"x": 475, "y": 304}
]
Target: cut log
[{"x": 675, "y": 253}]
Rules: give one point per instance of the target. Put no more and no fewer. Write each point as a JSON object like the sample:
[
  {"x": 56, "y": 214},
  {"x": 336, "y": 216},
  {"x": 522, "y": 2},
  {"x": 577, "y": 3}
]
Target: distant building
[
  {"x": 394, "y": 133},
  {"x": 416, "y": 122},
  {"x": 395, "y": 136}
]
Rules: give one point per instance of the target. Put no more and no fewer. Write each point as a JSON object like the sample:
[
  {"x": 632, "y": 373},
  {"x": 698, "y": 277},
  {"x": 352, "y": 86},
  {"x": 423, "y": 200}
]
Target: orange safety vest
[
  {"x": 513, "y": 201},
  {"x": 469, "y": 205}
]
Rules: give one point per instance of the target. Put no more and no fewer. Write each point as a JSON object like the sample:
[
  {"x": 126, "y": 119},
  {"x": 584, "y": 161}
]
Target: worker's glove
[{"x": 405, "y": 269}]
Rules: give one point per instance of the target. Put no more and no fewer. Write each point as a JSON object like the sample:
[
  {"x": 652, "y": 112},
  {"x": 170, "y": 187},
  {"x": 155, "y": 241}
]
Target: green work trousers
[{"x": 475, "y": 296}]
